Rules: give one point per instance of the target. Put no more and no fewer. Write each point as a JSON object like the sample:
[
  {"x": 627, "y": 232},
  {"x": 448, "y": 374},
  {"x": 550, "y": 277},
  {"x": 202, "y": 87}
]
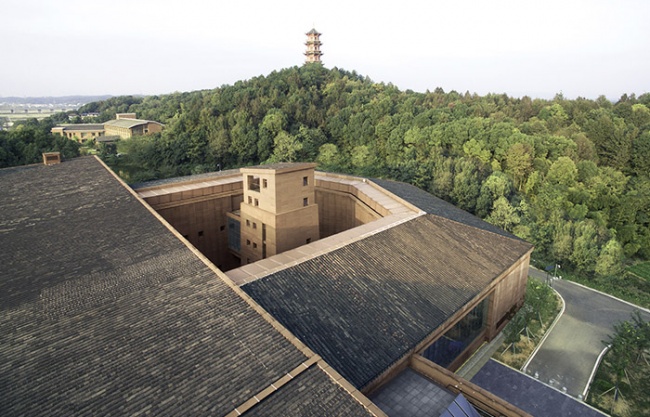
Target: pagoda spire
[{"x": 313, "y": 44}]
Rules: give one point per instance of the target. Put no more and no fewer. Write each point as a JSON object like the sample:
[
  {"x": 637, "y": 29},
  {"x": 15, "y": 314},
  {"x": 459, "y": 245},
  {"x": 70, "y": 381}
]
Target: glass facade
[
  {"x": 448, "y": 347},
  {"x": 234, "y": 235}
]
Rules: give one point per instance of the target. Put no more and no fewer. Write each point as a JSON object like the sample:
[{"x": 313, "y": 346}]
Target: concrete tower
[
  {"x": 313, "y": 43},
  {"x": 279, "y": 211}
]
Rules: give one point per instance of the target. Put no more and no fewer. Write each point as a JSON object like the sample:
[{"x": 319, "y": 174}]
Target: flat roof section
[
  {"x": 410, "y": 394},
  {"x": 529, "y": 394}
]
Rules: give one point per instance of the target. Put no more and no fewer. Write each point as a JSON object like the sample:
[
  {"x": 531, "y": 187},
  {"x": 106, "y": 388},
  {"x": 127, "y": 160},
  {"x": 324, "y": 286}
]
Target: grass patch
[
  {"x": 633, "y": 400},
  {"x": 641, "y": 270},
  {"x": 528, "y": 326}
]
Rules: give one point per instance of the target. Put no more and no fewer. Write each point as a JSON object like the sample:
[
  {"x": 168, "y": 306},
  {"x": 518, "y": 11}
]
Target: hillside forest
[{"x": 570, "y": 176}]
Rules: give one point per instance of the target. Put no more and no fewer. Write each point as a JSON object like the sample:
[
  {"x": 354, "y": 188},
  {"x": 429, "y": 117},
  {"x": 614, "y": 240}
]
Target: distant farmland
[{"x": 21, "y": 114}]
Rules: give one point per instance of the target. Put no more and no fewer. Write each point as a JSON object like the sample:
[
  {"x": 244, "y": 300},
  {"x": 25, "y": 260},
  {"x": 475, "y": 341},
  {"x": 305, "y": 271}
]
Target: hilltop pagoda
[{"x": 313, "y": 44}]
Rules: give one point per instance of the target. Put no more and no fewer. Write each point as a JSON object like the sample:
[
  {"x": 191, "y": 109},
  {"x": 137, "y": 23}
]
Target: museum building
[{"x": 270, "y": 290}]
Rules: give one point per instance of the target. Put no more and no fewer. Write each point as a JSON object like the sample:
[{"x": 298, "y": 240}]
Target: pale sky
[{"x": 537, "y": 48}]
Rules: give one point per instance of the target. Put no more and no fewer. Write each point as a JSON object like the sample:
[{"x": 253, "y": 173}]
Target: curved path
[{"x": 568, "y": 355}]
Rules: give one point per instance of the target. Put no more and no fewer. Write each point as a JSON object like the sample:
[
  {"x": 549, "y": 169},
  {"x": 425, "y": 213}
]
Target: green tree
[
  {"x": 274, "y": 122},
  {"x": 519, "y": 163},
  {"x": 495, "y": 186},
  {"x": 628, "y": 345},
  {"x": 361, "y": 157},
  {"x": 609, "y": 262},
  {"x": 585, "y": 247},
  {"x": 475, "y": 149},
  {"x": 562, "y": 172},
  {"x": 329, "y": 157},
  {"x": 286, "y": 148},
  {"x": 609, "y": 135},
  {"x": 504, "y": 215},
  {"x": 467, "y": 184}
]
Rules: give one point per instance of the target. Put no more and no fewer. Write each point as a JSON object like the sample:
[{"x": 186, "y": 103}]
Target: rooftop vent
[
  {"x": 119, "y": 116},
  {"x": 51, "y": 158}
]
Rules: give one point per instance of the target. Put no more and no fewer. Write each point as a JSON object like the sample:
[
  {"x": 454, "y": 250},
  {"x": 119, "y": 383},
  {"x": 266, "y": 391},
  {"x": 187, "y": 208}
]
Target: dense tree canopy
[
  {"x": 571, "y": 176},
  {"x": 27, "y": 141}
]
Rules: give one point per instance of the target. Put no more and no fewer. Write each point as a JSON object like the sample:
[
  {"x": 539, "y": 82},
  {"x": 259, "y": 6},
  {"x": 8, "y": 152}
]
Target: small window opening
[{"x": 253, "y": 183}]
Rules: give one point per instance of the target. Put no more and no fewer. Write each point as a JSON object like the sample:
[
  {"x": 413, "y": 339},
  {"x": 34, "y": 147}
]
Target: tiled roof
[
  {"x": 320, "y": 397},
  {"x": 83, "y": 126},
  {"x": 105, "y": 311},
  {"x": 283, "y": 166},
  {"x": 190, "y": 178},
  {"x": 128, "y": 123},
  {"x": 434, "y": 205},
  {"x": 365, "y": 305}
]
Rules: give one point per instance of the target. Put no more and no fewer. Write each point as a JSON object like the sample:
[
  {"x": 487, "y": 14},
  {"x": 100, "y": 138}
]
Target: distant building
[
  {"x": 124, "y": 126},
  {"x": 313, "y": 44},
  {"x": 80, "y": 132}
]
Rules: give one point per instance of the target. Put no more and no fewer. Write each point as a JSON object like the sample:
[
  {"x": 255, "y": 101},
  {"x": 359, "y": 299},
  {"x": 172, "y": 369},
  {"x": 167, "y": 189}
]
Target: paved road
[{"x": 568, "y": 355}]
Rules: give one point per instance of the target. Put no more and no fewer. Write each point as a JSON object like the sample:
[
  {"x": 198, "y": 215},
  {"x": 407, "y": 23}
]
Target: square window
[
  {"x": 250, "y": 200},
  {"x": 305, "y": 201},
  {"x": 253, "y": 183},
  {"x": 308, "y": 240},
  {"x": 254, "y": 245},
  {"x": 248, "y": 242},
  {"x": 222, "y": 228},
  {"x": 305, "y": 181},
  {"x": 254, "y": 225},
  {"x": 248, "y": 222},
  {"x": 200, "y": 233},
  {"x": 257, "y": 202},
  {"x": 265, "y": 183}
]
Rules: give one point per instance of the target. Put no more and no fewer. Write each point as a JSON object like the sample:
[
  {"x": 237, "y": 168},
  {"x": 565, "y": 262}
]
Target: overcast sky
[{"x": 537, "y": 48}]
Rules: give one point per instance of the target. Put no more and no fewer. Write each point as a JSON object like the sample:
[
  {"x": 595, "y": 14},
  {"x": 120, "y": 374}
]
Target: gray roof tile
[
  {"x": 105, "y": 311},
  {"x": 434, "y": 205},
  {"x": 365, "y": 305},
  {"x": 310, "y": 385}
]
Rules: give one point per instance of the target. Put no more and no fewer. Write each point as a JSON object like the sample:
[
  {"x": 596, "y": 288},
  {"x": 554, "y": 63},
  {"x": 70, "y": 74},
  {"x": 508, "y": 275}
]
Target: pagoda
[{"x": 313, "y": 44}]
